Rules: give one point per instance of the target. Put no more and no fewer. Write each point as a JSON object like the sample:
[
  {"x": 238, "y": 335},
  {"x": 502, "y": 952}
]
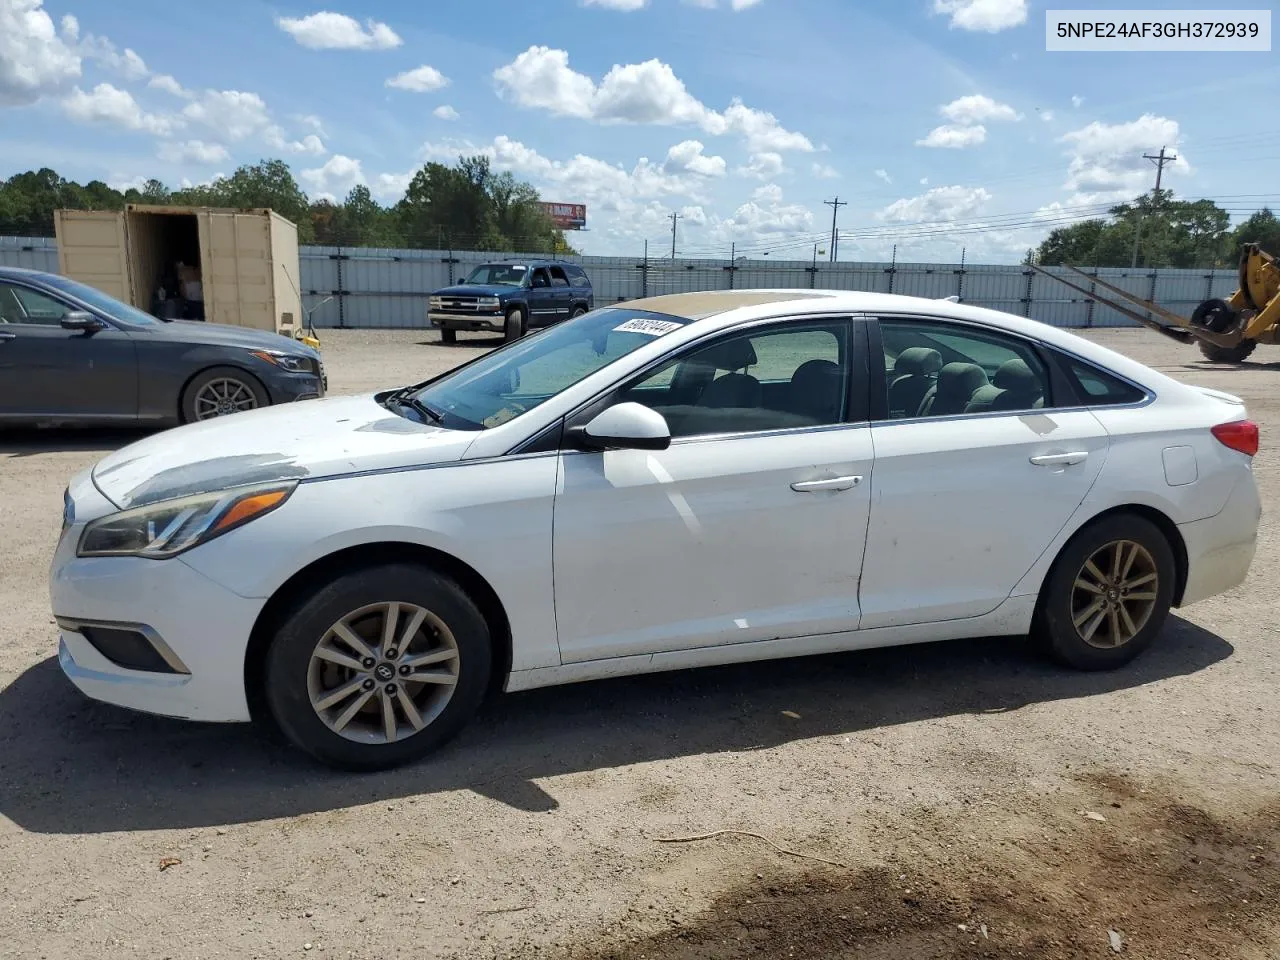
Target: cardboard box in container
[{"x": 242, "y": 263}]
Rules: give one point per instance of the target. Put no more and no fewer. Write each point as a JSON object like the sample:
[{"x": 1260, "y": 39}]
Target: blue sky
[{"x": 944, "y": 123}]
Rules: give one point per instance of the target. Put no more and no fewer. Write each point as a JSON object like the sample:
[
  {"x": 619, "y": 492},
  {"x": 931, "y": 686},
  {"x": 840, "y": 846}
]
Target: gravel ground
[{"x": 952, "y": 800}]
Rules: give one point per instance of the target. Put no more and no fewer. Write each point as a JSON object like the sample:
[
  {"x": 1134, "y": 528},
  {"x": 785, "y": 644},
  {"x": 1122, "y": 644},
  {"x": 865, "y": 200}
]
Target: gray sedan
[{"x": 70, "y": 353}]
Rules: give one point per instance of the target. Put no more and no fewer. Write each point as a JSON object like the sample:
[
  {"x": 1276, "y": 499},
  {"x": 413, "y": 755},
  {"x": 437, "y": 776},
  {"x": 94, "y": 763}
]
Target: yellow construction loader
[{"x": 1227, "y": 330}]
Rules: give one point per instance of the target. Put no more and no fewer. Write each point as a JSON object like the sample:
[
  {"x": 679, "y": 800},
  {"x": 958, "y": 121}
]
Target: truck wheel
[
  {"x": 219, "y": 391},
  {"x": 378, "y": 667},
  {"x": 515, "y": 326},
  {"x": 1235, "y": 354},
  {"x": 448, "y": 336},
  {"x": 577, "y": 311}
]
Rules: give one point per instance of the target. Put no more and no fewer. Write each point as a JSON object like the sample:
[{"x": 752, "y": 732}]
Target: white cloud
[
  {"x": 1077, "y": 101},
  {"x": 949, "y": 136},
  {"x": 990, "y": 16},
  {"x": 194, "y": 151},
  {"x": 734, "y": 5},
  {"x": 162, "y": 81},
  {"x": 102, "y": 51},
  {"x": 624, "y": 5},
  {"x": 1046, "y": 116},
  {"x": 823, "y": 171},
  {"x": 335, "y": 179},
  {"x": 445, "y": 112},
  {"x": 421, "y": 79},
  {"x": 977, "y": 108},
  {"x": 769, "y": 193},
  {"x": 636, "y": 93},
  {"x": 688, "y": 155},
  {"x": 310, "y": 144},
  {"x": 762, "y": 166},
  {"x": 762, "y": 217},
  {"x": 313, "y": 122},
  {"x": 115, "y": 107},
  {"x": 34, "y": 61},
  {"x": 1106, "y": 159},
  {"x": 940, "y": 203},
  {"x": 924, "y": 181},
  {"x": 884, "y": 175},
  {"x": 232, "y": 114},
  {"x": 336, "y": 31},
  {"x": 390, "y": 187}
]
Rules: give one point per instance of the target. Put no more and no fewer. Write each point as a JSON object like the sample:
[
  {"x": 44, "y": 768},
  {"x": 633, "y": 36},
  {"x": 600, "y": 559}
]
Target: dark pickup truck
[{"x": 513, "y": 297}]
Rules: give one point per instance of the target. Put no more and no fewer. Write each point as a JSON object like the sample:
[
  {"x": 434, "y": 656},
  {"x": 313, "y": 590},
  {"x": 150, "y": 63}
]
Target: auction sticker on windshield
[{"x": 654, "y": 328}]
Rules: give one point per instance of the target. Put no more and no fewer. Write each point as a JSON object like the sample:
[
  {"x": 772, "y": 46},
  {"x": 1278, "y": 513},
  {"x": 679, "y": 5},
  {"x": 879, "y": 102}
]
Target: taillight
[{"x": 1239, "y": 435}]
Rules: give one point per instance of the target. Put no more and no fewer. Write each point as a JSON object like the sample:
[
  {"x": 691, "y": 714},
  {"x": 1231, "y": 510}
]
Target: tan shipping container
[{"x": 247, "y": 258}]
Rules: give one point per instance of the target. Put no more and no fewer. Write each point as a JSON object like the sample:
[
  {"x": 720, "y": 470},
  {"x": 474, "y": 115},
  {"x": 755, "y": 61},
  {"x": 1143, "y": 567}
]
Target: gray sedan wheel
[{"x": 220, "y": 391}]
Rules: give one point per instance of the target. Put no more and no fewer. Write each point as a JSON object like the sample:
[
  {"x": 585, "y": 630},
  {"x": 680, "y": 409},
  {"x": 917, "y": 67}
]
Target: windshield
[
  {"x": 503, "y": 274},
  {"x": 99, "y": 300},
  {"x": 515, "y": 379}
]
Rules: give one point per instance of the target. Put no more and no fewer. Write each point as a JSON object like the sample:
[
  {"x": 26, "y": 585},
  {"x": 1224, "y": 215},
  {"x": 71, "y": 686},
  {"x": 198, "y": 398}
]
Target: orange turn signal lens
[{"x": 248, "y": 508}]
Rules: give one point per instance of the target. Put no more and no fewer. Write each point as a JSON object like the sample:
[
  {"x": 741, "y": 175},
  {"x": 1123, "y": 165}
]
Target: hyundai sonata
[{"x": 672, "y": 482}]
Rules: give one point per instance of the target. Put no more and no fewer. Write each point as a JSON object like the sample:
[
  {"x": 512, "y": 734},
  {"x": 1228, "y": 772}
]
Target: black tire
[
  {"x": 515, "y": 326},
  {"x": 448, "y": 336},
  {"x": 1237, "y": 354},
  {"x": 198, "y": 383},
  {"x": 1054, "y": 625},
  {"x": 1214, "y": 315},
  {"x": 577, "y": 311},
  {"x": 289, "y": 656}
]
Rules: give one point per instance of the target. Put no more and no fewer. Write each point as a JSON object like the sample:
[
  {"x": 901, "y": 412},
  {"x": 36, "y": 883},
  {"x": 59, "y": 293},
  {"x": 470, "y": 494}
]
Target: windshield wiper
[{"x": 404, "y": 398}]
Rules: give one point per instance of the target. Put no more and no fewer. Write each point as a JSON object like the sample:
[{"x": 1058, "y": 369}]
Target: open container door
[
  {"x": 236, "y": 249},
  {"x": 93, "y": 248}
]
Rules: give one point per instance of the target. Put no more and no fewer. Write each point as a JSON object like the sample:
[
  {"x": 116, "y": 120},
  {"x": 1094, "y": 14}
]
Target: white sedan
[{"x": 672, "y": 482}]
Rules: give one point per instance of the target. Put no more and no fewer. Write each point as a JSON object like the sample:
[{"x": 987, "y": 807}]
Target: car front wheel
[
  {"x": 514, "y": 328},
  {"x": 1108, "y": 594},
  {"x": 378, "y": 667},
  {"x": 220, "y": 391}
]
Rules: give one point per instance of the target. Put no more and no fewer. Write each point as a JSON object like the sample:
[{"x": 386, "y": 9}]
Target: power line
[{"x": 835, "y": 206}]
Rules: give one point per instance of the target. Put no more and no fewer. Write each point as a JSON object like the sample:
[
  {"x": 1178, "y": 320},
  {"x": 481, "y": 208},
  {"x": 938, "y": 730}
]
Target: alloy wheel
[
  {"x": 383, "y": 672},
  {"x": 1114, "y": 594},
  {"x": 222, "y": 396}
]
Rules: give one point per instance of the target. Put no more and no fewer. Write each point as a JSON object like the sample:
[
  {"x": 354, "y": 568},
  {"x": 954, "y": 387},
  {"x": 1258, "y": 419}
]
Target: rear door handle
[
  {"x": 1060, "y": 459},
  {"x": 837, "y": 483}
]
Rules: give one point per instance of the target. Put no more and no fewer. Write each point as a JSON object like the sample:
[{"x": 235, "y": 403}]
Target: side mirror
[
  {"x": 82, "y": 321},
  {"x": 625, "y": 426}
]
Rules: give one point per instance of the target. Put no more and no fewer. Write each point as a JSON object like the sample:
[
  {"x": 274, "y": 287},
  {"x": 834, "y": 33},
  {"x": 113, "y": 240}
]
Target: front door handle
[
  {"x": 838, "y": 483},
  {"x": 5, "y": 336},
  {"x": 1060, "y": 459}
]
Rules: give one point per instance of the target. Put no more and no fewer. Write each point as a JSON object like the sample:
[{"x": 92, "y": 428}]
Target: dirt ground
[{"x": 953, "y": 800}]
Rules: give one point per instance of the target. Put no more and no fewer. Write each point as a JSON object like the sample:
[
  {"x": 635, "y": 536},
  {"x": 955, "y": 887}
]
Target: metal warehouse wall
[{"x": 373, "y": 287}]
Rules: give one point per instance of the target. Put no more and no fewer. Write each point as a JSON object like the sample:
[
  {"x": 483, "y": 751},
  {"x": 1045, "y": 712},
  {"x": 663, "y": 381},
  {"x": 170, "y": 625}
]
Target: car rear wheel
[
  {"x": 1108, "y": 594},
  {"x": 219, "y": 391},
  {"x": 577, "y": 311},
  {"x": 378, "y": 667},
  {"x": 515, "y": 325}
]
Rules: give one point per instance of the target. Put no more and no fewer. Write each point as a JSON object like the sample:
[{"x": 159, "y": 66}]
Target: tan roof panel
[{"x": 707, "y": 303}]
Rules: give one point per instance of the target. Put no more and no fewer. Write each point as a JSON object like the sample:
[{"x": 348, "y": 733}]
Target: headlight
[
  {"x": 165, "y": 529},
  {"x": 488, "y": 301},
  {"x": 286, "y": 361}
]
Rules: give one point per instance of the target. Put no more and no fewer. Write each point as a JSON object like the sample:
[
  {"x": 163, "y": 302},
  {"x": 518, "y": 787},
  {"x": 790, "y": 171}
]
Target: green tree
[
  {"x": 268, "y": 183},
  {"x": 1262, "y": 228}
]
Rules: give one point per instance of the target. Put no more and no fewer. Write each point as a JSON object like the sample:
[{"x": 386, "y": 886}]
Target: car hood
[
  {"x": 476, "y": 290},
  {"x": 305, "y": 440},
  {"x": 222, "y": 334}
]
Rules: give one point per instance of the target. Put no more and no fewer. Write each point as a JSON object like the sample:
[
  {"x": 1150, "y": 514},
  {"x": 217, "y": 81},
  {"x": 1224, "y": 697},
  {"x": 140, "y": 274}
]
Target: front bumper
[
  {"x": 202, "y": 631},
  {"x": 467, "y": 321},
  {"x": 290, "y": 387}
]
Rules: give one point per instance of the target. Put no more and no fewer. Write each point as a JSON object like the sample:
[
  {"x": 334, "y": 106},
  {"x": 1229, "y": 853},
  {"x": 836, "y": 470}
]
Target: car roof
[{"x": 23, "y": 272}]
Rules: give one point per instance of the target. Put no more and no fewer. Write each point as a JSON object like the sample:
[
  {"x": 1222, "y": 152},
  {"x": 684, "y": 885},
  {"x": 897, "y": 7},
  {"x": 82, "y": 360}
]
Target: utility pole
[
  {"x": 674, "y": 218},
  {"x": 1159, "y": 160},
  {"x": 835, "y": 206}
]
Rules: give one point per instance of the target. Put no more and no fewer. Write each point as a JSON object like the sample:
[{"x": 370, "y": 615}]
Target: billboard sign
[{"x": 567, "y": 216}]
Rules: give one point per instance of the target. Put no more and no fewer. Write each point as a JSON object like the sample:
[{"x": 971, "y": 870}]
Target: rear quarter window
[{"x": 1096, "y": 387}]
